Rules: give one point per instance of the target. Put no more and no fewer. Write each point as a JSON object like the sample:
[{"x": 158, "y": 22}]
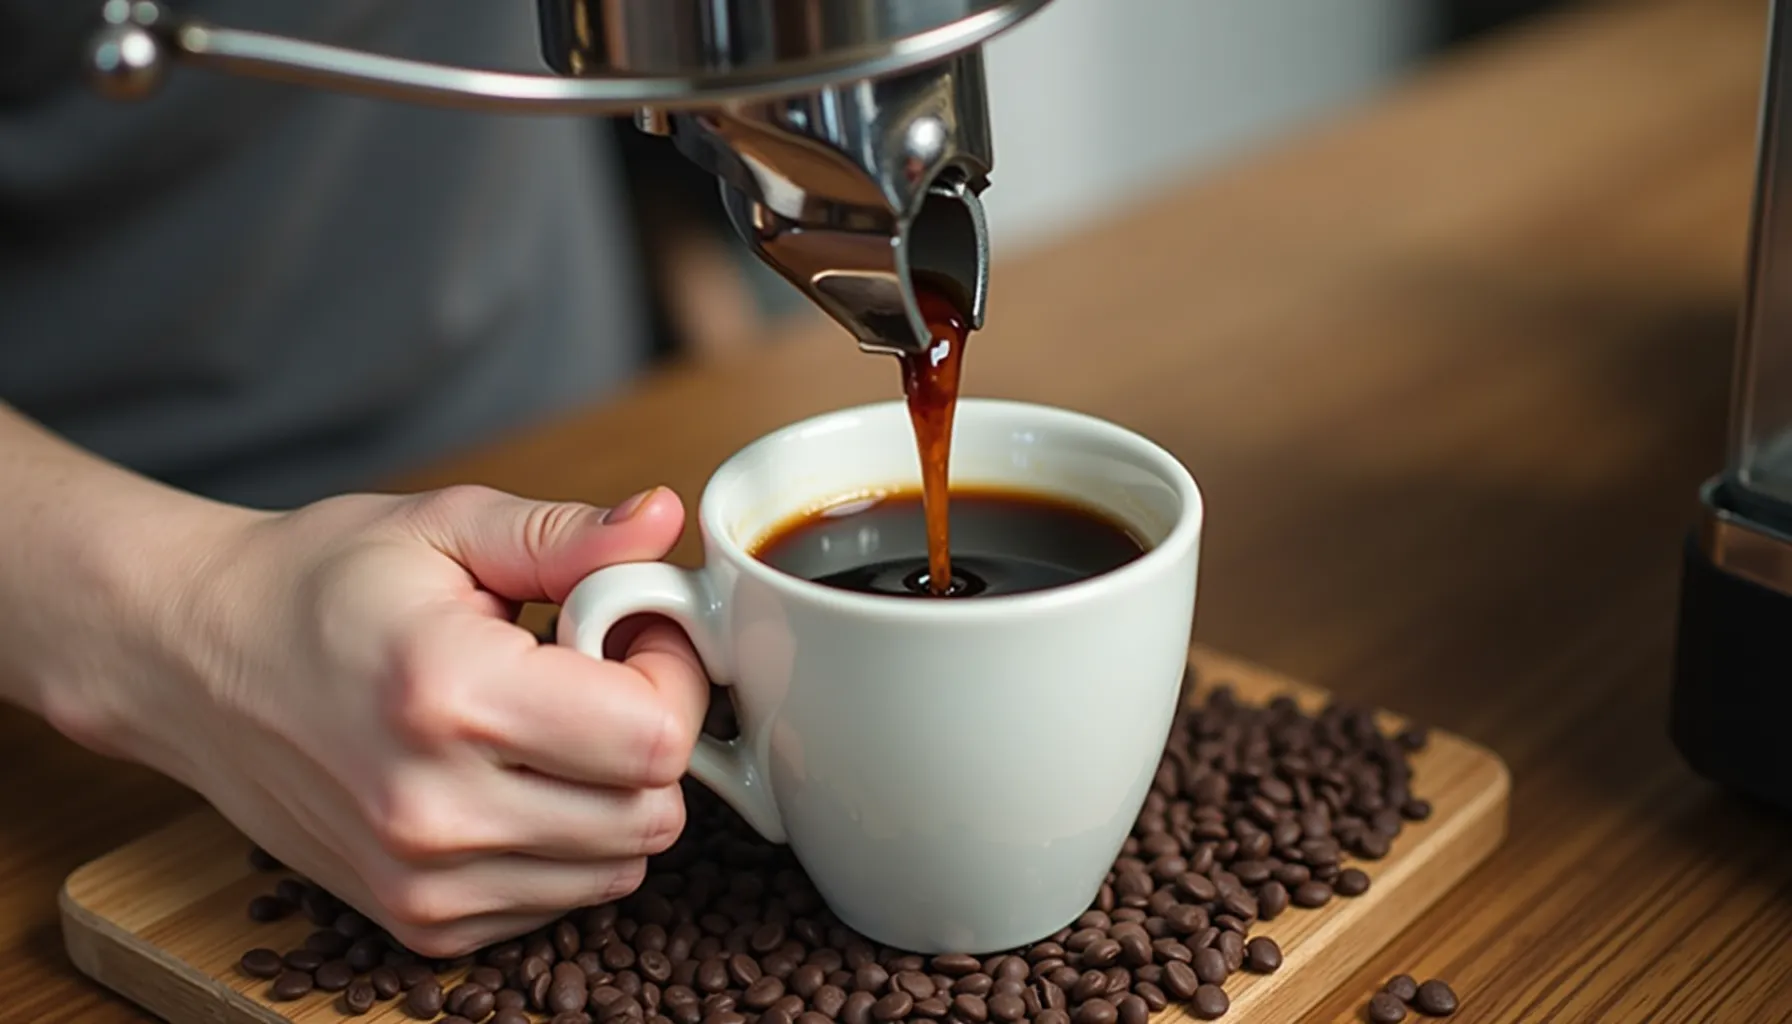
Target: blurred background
[{"x": 1162, "y": 87}]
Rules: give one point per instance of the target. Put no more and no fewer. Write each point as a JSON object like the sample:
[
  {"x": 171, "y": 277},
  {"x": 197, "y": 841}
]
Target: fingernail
[{"x": 626, "y": 511}]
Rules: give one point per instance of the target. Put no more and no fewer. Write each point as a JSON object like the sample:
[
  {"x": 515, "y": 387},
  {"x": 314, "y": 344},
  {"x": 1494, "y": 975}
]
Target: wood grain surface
[
  {"x": 1449, "y": 370},
  {"x": 162, "y": 919}
]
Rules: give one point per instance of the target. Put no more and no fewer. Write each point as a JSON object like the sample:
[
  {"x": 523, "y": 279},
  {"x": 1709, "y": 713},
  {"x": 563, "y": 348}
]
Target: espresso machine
[
  {"x": 1731, "y": 696},
  {"x": 850, "y": 138}
]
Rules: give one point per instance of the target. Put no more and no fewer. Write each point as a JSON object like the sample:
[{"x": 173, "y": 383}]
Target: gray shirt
[{"x": 269, "y": 294}]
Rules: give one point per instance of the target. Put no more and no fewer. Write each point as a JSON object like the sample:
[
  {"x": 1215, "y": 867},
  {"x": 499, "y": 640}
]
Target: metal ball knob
[{"x": 125, "y": 61}]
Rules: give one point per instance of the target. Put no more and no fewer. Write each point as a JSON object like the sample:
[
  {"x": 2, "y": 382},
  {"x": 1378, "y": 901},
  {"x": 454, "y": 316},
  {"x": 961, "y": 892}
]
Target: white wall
[{"x": 1094, "y": 100}]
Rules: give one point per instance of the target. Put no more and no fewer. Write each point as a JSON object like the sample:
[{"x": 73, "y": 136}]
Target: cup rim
[{"x": 1160, "y": 557}]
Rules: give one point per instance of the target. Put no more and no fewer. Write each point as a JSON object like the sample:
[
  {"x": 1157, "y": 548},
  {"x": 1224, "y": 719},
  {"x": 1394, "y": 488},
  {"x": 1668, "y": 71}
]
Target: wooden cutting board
[{"x": 162, "y": 920}]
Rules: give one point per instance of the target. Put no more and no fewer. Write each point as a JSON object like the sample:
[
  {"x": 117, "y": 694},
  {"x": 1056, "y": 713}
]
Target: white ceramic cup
[{"x": 954, "y": 775}]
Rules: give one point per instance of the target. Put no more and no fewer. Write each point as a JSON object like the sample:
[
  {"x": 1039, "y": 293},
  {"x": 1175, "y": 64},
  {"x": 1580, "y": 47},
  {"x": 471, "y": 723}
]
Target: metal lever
[{"x": 129, "y": 55}]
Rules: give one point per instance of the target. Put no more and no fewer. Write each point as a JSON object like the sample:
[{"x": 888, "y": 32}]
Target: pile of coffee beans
[
  {"x": 1254, "y": 809},
  {"x": 1434, "y": 998}
]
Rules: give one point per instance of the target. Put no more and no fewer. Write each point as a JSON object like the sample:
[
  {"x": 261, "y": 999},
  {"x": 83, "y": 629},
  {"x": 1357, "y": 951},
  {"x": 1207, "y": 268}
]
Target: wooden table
[{"x": 1450, "y": 371}]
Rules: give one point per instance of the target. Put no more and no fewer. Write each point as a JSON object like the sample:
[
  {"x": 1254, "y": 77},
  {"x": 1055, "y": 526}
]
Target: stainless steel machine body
[
  {"x": 851, "y": 138},
  {"x": 1732, "y": 688}
]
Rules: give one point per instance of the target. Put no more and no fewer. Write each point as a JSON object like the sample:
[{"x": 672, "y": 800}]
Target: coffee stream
[{"x": 930, "y": 383}]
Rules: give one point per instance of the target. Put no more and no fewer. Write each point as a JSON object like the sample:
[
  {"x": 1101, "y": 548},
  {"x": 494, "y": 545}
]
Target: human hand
[{"x": 346, "y": 683}]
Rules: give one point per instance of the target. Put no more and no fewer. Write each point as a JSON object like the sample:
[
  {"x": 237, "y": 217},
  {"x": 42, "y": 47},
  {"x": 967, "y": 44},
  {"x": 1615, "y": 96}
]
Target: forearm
[{"x": 90, "y": 555}]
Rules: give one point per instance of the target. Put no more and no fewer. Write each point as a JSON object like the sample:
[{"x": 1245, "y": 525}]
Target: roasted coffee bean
[
  {"x": 1052, "y": 1017},
  {"x": 351, "y": 925},
  {"x": 1198, "y": 887},
  {"x": 424, "y": 1000},
  {"x": 712, "y": 975},
  {"x": 1262, "y": 955},
  {"x": 334, "y": 976},
  {"x": 565, "y": 994},
  {"x": 1209, "y": 1003},
  {"x": 1210, "y": 967},
  {"x": 933, "y": 1007},
  {"x": 1371, "y": 845},
  {"x": 359, "y": 997},
  {"x": 306, "y": 960},
  {"x": 1154, "y": 997},
  {"x": 978, "y": 984},
  {"x": 1290, "y": 875},
  {"x": 290, "y": 985},
  {"x": 1386, "y": 1008},
  {"x": 806, "y": 979},
  {"x": 1101, "y": 953},
  {"x": 870, "y": 978},
  {"x": 1231, "y": 946},
  {"x": 539, "y": 990},
  {"x": 970, "y": 1008},
  {"x": 581, "y": 1017},
  {"x": 1186, "y": 919},
  {"x": 1239, "y": 905},
  {"x": 1135, "y": 949},
  {"x": 892, "y": 1006},
  {"x": 857, "y": 1008},
  {"x": 762, "y": 993},
  {"x": 1096, "y": 1011},
  {"x": 269, "y": 908},
  {"x": 478, "y": 1003},
  {"x": 830, "y": 1000},
  {"x": 956, "y": 965},
  {"x": 1089, "y": 984},
  {"x": 1006, "y": 1007},
  {"x": 1312, "y": 894},
  {"x": 1180, "y": 980},
  {"x": 511, "y": 1016},
  {"x": 1435, "y": 999},
  {"x": 385, "y": 982},
  {"x": 1119, "y": 980},
  {"x": 1166, "y": 950},
  {"x": 1402, "y": 987},
  {"x": 261, "y": 963},
  {"x": 364, "y": 955},
  {"x": 1252, "y": 872},
  {"x": 1132, "y": 1009},
  {"x": 916, "y": 984},
  {"x": 602, "y": 995},
  {"x": 1416, "y": 810},
  {"x": 1351, "y": 882}
]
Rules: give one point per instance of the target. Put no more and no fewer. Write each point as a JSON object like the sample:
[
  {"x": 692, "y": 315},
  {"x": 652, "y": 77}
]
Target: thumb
[{"x": 526, "y": 550}]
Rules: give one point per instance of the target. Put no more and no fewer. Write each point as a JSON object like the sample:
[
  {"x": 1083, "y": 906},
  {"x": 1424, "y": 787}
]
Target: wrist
[
  {"x": 144, "y": 586},
  {"x": 99, "y": 561}
]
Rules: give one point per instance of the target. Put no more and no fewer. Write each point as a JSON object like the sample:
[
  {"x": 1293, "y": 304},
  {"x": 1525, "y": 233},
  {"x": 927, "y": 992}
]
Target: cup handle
[{"x": 729, "y": 767}]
